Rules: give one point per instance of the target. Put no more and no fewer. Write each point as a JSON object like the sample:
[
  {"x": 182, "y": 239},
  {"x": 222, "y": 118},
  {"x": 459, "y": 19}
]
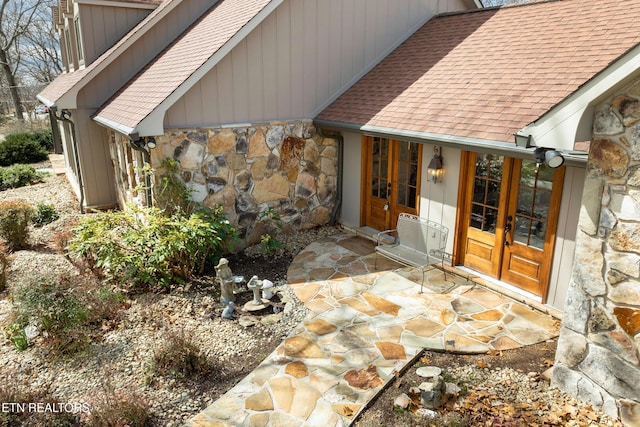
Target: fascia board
[
  {"x": 125, "y": 130},
  {"x": 557, "y": 128},
  {"x": 129, "y": 5},
  {"x": 149, "y": 123}
]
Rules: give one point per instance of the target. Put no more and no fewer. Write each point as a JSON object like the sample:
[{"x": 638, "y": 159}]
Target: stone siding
[
  {"x": 598, "y": 358},
  {"x": 285, "y": 166}
]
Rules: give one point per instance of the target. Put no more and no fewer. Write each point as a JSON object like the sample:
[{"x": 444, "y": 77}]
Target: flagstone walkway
[{"x": 366, "y": 325}]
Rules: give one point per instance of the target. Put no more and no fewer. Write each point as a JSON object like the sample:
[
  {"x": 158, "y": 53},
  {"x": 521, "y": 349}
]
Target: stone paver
[{"x": 364, "y": 326}]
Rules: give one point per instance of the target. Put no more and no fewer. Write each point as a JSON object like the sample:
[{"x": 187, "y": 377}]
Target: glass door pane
[
  {"x": 532, "y": 208},
  {"x": 486, "y": 192},
  {"x": 407, "y": 179},
  {"x": 379, "y": 167}
]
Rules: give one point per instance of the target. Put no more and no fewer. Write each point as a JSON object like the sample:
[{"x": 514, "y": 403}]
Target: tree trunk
[{"x": 13, "y": 87}]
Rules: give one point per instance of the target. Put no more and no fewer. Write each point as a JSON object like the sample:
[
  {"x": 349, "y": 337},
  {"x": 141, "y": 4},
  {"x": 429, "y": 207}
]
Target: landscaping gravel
[{"x": 505, "y": 389}]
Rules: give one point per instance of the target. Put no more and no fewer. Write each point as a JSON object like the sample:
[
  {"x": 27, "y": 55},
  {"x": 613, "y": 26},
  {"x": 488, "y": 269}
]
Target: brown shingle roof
[
  {"x": 489, "y": 73},
  {"x": 65, "y": 82},
  {"x": 147, "y": 90}
]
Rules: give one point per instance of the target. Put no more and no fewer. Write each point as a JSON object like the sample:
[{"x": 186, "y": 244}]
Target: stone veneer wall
[
  {"x": 286, "y": 166},
  {"x": 598, "y": 358}
]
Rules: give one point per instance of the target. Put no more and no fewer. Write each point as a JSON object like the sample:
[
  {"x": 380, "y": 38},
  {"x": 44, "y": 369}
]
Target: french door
[
  {"x": 392, "y": 181},
  {"x": 509, "y": 221}
]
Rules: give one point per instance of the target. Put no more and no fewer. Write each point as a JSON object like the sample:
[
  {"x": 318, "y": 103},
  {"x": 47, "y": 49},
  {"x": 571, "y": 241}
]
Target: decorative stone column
[{"x": 598, "y": 358}]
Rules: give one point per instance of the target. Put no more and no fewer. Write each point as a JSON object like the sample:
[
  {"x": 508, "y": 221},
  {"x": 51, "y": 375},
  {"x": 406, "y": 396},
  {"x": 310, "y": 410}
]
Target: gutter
[
  {"x": 74, "y": 145},
  {"x": 508, "y": 149},
  {"x": 336, "y": 208}
]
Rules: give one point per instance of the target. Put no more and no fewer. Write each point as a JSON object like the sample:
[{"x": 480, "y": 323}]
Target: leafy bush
[
  {"x": 44, "y": 214},
  {"x": 21, "y": 148},
  {"x": 19, "y": 175},
  {"x": 44, "y": 138},
  {"x": 14, "y": 223},
  {"x": 54, "y": 305},
  {"x": 149, "y": 248}
]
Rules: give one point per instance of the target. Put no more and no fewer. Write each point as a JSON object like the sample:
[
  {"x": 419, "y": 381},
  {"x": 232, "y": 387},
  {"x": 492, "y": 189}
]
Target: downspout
[
  {"x": 74, "y": 144},
  {"x": 138, "y": 144},
  {"x": 340, "y": 140}
]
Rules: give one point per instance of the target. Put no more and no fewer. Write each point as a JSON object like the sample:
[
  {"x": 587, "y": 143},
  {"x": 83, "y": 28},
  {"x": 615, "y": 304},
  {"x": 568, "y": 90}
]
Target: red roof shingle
[{"x": 488, "y": 73}]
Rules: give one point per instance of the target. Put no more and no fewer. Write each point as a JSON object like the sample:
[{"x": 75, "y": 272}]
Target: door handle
[{"x": 507, "y": 229}]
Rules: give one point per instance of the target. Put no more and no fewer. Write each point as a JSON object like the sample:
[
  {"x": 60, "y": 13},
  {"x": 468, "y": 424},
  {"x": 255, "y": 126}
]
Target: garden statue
[
  {"x": 257, "y": 303},
  {"x": 225, "y": 278},
  {"x": 227, "y": 313}
]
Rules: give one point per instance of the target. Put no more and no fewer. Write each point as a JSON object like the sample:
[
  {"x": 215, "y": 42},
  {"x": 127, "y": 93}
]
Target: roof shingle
[
  {"x": 488, "y": 73},
  {"x": 172, "y": 67}
]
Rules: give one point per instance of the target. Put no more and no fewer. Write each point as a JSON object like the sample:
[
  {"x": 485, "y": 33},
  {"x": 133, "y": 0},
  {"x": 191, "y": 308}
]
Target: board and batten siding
[
  {"x": 300, "y": 58},
  {"x": 102, "y": 26},
  {"x": 131, "y": 61}
]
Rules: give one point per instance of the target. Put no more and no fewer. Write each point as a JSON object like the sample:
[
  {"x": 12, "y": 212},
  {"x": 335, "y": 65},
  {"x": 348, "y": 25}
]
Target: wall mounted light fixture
[
  {"x": 551, "y": 157},
  {"x": 436, "y": 169},
  {"x": 523, "y": 141}
]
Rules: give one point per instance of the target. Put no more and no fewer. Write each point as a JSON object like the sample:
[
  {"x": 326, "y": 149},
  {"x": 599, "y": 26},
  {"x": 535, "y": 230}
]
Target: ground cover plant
[{"x": 19, "y": 175}]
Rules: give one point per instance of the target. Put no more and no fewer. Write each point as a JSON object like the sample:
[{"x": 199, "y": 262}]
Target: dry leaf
[{"x": 482, "y": 365}]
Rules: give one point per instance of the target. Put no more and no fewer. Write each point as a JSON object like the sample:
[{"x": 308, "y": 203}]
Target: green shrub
[
  {"x": 54, "y": 305},
  {"x": 21, "y": 148},
  {"x": 148, "y": 248},
  {"x": 14, "y": 223},
  {"x": 44, "y": 214},
  {"x": 44, "y": 138},
  {"x": 19, "y": 175},
  {"x": 66, "y": 308}
]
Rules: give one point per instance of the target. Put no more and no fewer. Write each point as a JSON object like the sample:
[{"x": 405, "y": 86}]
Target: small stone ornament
[
  {"x": 224, "y": 276},
  {"x": 227, "y": 313},
  {"x": 257, "y": 303}
]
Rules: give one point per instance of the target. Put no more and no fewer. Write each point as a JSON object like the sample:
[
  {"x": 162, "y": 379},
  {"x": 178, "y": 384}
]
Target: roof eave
[
  {"x": 558, "y": 127},
  {"x": 149, "y": 125},
  {"x": 118, "y": 127}
]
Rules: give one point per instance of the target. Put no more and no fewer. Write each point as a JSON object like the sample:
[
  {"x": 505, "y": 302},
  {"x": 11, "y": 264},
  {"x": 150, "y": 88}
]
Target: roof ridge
[{"x": 526, "y": 3}]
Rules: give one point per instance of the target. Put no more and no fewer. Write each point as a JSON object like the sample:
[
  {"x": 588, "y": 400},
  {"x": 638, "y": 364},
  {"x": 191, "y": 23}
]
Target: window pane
[
  {"x": 412, "y": 197},
  {"x": 413, "y": 175},
  {"x": 490, "y": 218},
  {"x": 525, "y": 201},
  {"x": 493, "y": 193},
  {"x": 477, "y": 213},
  {"x": 521, "y": 232},
  {"x": 478, "y": 190}
]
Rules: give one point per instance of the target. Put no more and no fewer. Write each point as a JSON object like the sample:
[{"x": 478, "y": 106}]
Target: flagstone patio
[{"x": 365, "y": 325}]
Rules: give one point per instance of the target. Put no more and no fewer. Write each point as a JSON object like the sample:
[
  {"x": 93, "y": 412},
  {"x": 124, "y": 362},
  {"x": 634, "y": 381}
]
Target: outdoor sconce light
[
  {"x": 435, "y": 169},
  {"x": 151, "y": 142},
  {"x": 552, "y": 157},
  {"x": 523, "y": 141},
  {"x": 65, "y": 114}
]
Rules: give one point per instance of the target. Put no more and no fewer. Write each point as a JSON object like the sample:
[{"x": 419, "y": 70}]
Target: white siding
[
  {"x": 351, "y": 179},
  {"x": 566, "y": 237},
  {"x": 301, "y": 58}
]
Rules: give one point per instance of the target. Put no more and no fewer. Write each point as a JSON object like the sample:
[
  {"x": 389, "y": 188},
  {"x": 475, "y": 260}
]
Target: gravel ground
[
  {"x": 121, "y": 357},
  {"x": 505, "y": 389}
]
